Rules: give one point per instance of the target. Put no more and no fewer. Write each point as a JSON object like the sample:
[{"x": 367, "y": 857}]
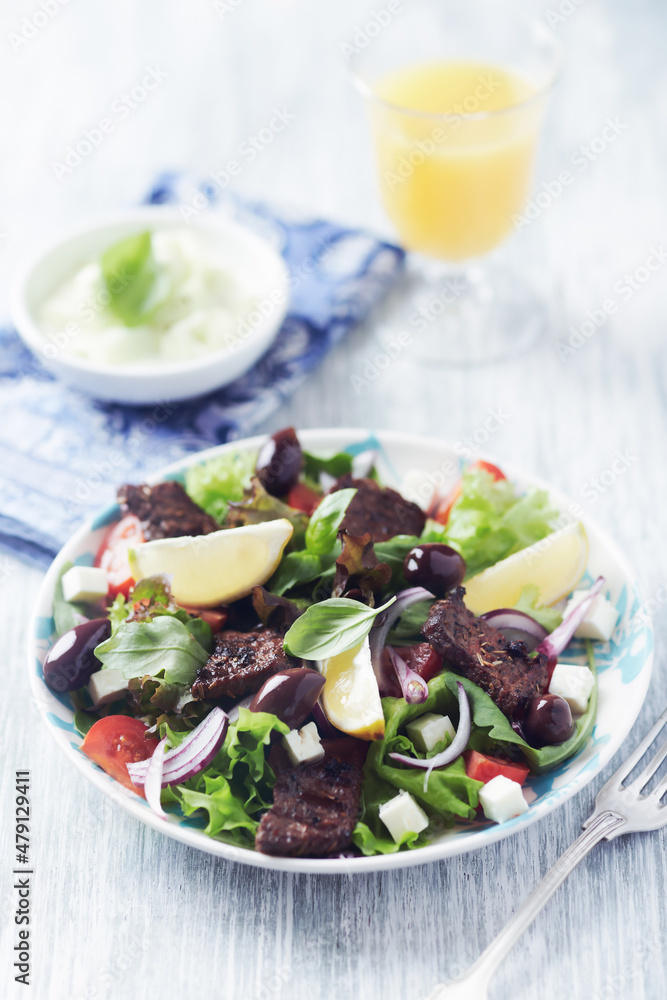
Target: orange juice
[{"x": 455, "y": 144}]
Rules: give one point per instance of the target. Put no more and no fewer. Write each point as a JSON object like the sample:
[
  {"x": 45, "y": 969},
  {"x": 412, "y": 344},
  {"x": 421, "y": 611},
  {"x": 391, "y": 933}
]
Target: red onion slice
[
  {"x": 153, "y": 780},
  {"x": 413, "y": 686},
  {"x": 454, "y": 750},
  {"x": 555, "y": 643},
  {"x": 324, "y": 727},
  {"x": 378, "y": 634},
  {"x": 190, "y": 758},
  {"x": 517, "y": 625}
]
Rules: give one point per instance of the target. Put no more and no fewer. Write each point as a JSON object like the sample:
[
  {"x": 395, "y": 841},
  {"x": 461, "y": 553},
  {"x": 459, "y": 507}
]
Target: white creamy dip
[{"x": 205, "y": 310}]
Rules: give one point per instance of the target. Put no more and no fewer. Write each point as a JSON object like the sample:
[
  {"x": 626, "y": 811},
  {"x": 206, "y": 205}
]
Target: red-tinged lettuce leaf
[
  {"x": 258, "y": 506},
  {"x": 274, "y": 611},
  {"x": 358, "y": 568}
]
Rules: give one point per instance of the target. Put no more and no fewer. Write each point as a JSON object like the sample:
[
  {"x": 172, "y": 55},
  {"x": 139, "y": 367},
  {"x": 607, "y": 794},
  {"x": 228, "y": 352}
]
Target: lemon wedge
[
  {"x": 554, "y": 565},
  {"x": 350, "y": 697},
  {"x": 214, "y": 569}
]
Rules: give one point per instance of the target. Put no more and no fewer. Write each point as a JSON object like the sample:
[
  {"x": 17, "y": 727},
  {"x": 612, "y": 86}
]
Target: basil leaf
[
  {"x": 323, "y": 526},
  {"x": 132, "y": 278},
  {"x": 338, "y": 465},
  {"x": 163, "y": 647},
  {"x": 331, "y": 627},
  {"x": 295, "y": 568}
]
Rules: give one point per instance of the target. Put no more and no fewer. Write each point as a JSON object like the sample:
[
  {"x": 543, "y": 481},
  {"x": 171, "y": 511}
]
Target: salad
[{"x": 315, "y": 664}]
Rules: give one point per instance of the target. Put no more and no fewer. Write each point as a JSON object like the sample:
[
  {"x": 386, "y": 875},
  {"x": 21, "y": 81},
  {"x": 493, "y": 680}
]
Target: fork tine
[
  {"x": 638, "y": 752},
  {"x": 645, "y": 776}
]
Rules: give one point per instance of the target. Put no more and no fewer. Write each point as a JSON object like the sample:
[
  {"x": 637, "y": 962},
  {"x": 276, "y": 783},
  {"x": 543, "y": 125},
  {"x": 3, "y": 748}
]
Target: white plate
[{"x": 624, "y": 665}]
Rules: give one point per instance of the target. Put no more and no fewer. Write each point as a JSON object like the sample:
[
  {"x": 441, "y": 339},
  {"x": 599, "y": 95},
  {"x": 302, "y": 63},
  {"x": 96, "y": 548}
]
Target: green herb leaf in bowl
[{"x": 136, "y": 286}]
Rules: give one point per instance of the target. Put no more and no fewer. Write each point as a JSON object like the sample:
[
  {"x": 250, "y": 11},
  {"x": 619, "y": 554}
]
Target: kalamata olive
[
  {"x": 279, "y": 462},
  {"x": 290, "y": 695},
  {"x": 71, "y": 659},
  {"x": 435, "y": 566},
  {"x": 548, "y": 720}
]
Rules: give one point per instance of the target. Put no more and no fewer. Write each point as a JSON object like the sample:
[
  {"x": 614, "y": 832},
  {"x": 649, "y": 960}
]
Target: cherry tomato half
[
  {"x": 480, "y": 767},
  {"x": 302, "y": 497},
  {"x": 118, "y": 740},
  {"x": 112, "y": 553}
]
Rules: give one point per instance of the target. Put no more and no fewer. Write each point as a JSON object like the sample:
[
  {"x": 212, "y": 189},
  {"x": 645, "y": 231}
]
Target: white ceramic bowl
[
  {"x": 624, "y": 667},
  {"x": 151, "y": 382}
]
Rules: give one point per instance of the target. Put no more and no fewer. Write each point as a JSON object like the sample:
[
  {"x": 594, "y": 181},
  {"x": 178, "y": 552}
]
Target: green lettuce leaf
[
  {"x": 163, "y": 647},
  {"x": 489, "y": 521},
  {"x": 213, "y": 484},
  {"x": 237, "y": 786},
  {"x": 450, "y": 792},
  {"x": 529, "y": 603}
]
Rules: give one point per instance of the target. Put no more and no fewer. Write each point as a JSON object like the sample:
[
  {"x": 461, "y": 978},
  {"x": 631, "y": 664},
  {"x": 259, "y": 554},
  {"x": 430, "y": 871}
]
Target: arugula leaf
[
  {"x": 492, "y": 730},
  {"x": 338, "y": 465},
  {"x": 323, "y": 526},
  {"x": 118, "y": 611},
  {"x": 407, "y": 630},
  {"x": 66, "y": 614},
  {"x": 162, "y": 647},
  {"x": 331, "y": 627},
  {"x": 529, "y": 603},
  {"x": 133, "y": 280},
  {"x": 489, "y": 521},
  {"x": 213, "y": 484}
]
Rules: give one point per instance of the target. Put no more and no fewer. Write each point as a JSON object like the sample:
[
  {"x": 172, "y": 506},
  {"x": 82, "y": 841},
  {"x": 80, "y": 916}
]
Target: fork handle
[{"x": 480, "y": 972}]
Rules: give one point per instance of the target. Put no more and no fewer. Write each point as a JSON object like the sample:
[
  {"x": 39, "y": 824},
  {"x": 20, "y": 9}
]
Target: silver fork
[{"x": 618, "y": 809}]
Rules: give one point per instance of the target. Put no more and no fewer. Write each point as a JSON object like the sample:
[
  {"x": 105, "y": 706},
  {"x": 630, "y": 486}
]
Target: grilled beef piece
[
  {"x": 165, "y": 511},
  {"x": 240, "y": 663},
  {"x": 378, "y": 510},
  {"x": 479, "y": 651},
  {"x": 315, "y": 806}
]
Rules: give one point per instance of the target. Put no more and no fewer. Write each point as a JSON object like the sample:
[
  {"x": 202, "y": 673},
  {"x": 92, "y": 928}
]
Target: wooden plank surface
[{"x": 121, "y": 912}]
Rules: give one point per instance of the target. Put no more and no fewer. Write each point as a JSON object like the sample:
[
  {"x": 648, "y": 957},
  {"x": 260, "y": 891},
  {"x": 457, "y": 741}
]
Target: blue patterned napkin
[{"x": 62, "y": 454}]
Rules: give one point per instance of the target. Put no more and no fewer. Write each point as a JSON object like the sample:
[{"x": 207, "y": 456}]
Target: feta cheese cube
[
  {"x": 429, "y": 730},
  {"x": 303, "y": 745},
  {"x": 106, "y": 686},
  {"x": 402, "y": 815},
  {"x": 574, "y": 683},
  {"x": 85, "y": 583},
  {"x": 600, "y": 619},
  {"x": 502, "y": 799}
]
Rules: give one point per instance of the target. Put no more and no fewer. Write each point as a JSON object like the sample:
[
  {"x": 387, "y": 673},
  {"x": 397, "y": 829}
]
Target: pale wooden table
[{"x": 121, "y": 912}]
